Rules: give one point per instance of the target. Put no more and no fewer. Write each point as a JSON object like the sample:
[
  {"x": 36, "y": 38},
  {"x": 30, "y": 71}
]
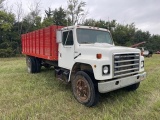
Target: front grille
[{"x": 126, "y": 64}]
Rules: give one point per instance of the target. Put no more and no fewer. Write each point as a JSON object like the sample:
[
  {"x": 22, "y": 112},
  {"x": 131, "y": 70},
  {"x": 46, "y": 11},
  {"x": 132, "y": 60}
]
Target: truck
[
  {"x": 86, "y": 57},
  {"x": 144, "y": 51}
]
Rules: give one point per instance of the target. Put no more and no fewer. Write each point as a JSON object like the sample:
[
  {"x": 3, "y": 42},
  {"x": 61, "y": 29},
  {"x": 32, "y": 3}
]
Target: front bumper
[{"x": 108, "y": 86}]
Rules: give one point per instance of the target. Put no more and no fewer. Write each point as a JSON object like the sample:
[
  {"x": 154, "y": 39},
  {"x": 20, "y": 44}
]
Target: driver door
[{"x": 66, "y": 50}]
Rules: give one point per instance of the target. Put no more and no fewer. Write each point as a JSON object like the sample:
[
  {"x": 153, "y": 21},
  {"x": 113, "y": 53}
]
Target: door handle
[{"x": 60, "y": 55}]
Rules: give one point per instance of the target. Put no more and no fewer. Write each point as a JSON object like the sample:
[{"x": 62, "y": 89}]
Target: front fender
[{"x": 96, "y": 65}]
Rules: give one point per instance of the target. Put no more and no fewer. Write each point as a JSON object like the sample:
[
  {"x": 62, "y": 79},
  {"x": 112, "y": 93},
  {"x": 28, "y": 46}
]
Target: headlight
[
  {"x": 142, "y": 64},
  {"x": 106, "y": 69}
]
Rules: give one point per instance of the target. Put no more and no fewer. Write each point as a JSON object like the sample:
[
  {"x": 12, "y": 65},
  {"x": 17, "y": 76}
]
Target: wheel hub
[{"x": 82, "y": 89}]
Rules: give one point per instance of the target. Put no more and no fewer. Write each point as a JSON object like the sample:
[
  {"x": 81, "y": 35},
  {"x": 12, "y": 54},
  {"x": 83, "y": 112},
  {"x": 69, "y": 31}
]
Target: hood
[{"x": 104, "y": 49}]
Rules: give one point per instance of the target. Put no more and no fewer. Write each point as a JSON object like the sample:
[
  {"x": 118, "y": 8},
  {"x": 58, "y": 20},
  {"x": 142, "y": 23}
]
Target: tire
[
  {"x": 85, "y": 89},
  {"x": 31, "y": 64},
  {"x": 38, "y": 65},
  {"x": 133, "y": 87}
]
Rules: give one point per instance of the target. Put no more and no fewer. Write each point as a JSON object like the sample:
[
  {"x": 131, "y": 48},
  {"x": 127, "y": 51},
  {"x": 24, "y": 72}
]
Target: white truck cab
[{"x": 89, "y": 59}]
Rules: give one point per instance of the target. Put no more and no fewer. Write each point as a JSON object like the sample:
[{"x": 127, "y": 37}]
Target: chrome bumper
[{"x": 107, "y": 86}]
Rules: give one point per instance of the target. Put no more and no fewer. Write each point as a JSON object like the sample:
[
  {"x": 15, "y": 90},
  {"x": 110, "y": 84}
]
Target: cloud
[{"x": 144, "y": 13}]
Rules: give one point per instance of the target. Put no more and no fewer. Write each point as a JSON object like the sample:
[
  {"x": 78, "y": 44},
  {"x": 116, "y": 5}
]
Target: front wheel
[{"x": 84, "y": 89}]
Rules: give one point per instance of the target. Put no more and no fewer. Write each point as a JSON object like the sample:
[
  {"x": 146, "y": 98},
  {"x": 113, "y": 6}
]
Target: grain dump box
[{"x": 41, "y": 43}]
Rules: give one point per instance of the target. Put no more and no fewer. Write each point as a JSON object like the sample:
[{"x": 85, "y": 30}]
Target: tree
[
  {"x": 76, "y": 11},
  {"x": 59, "y": 16},
  {"x": 153, "y": 43},
  {"x": 1, "y": 4},
  {"x": 89, "y": 22},
  {"x": 49, "y": 13},
  {"x": 141, "y": 36},
  {"x": 19, "y": 17},
  {"x": 6, "y": 21},
  {"x": 101, "y": 23},
  {"x": 48, "y": 20},
  {"x": 32, "y": 19},
  {"x": 124, "y": 34},
  {"x": 6, "y": 39}
]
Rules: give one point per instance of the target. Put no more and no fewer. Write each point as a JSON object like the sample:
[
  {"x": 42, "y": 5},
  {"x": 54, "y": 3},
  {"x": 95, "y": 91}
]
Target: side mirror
[{"x": 59, "y": 36}]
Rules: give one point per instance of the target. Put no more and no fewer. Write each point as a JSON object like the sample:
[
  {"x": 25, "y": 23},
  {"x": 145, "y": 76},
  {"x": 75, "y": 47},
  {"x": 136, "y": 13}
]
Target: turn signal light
[{"x": 99, "y": 56}]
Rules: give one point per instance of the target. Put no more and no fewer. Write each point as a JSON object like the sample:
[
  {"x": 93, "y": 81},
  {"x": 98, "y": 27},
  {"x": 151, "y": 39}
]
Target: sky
[{"x": 144, "y": 13}]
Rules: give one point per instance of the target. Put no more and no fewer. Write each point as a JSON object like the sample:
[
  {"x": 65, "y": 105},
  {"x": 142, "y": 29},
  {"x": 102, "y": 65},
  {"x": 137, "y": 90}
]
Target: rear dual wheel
[
  {"x": 33, "y": 64},
  {"x": 38, "y": 65}
]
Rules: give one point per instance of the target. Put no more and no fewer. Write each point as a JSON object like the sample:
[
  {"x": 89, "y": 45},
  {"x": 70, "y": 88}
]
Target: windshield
[{"x": 90, "y": 36}]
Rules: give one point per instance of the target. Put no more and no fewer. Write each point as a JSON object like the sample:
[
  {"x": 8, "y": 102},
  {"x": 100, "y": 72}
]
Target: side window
[{"x": 67, "y": 38}]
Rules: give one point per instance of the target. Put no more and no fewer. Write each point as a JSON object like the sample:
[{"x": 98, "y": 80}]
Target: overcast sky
[{"x": 144, "y": 13}]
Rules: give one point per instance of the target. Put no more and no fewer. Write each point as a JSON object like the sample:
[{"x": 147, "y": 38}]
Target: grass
[{"x": 42, "y": 97}]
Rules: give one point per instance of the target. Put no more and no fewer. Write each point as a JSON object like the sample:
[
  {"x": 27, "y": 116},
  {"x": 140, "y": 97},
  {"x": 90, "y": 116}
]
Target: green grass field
[{"x": 42, "y": 97}]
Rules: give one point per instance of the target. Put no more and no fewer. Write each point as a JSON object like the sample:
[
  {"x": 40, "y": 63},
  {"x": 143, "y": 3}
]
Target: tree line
[{"x": 13, "y": 25}]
